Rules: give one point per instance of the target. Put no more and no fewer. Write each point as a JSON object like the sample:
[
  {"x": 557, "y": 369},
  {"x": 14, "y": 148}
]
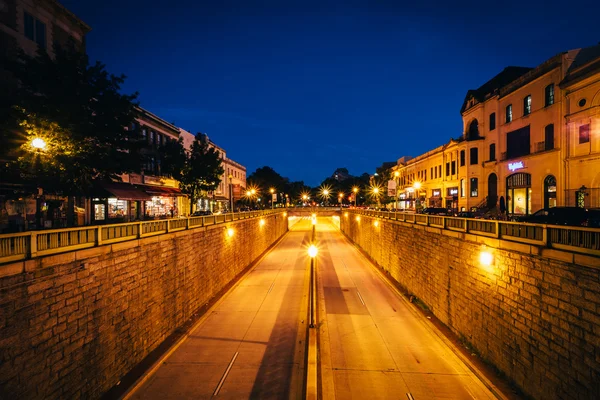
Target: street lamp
[
  {"x": 38, "y": 143},
  {"x": 396, "y": 176},
  {"x": 355, "y": 190},
  {"x": 417, "y": 186},
  {"x": 375, "y": 191},
  {"x": 231, "y": 191},
  {"x": 324, "y": 193},
  {"x": 272, "y": 190},
  {"x": 341, "y": 198}
]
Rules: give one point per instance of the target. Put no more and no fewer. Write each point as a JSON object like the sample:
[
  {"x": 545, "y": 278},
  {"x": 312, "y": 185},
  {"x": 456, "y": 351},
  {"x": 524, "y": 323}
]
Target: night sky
[{"x": 309, "y": 86}]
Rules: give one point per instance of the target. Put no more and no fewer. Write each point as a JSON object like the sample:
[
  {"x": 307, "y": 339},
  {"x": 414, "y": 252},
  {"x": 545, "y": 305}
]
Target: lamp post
[
  {"x": 39, "y": 146},
  {"x": 417, "y": 187},
  {"x": 355, "y": 190},
  {"x": 231, "y": 191},
  {"x": 341, "y": 198},
  {"x": 272, "y": 190},
  {"x": 375, "y": 191},
  {"x": 397, "y": 176}
]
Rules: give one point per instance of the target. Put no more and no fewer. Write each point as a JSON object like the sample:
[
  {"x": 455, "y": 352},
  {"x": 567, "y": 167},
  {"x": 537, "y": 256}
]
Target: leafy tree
[
  {"x": 78, "y": 110},
  {"x": 203, "y": 170},
  {"x": 173, "y": 158},
  {"x": 266, "y": 178}
]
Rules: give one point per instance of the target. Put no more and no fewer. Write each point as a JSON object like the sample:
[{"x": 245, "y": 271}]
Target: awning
[
  {"x": 120, "y": 190},
  {"x": 161, "y": 191}
]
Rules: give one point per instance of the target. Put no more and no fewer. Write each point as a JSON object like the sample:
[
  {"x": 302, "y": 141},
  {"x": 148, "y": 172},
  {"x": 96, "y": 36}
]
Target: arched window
[{"x": 473, "y": 132}]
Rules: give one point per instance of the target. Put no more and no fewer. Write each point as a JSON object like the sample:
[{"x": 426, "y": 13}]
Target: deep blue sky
[{"x": 309, "y": 86}]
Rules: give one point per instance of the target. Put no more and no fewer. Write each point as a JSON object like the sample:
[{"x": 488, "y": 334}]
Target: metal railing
[
  {"x": 570, "y": 238},
  {"x": 21, "y": 246}
]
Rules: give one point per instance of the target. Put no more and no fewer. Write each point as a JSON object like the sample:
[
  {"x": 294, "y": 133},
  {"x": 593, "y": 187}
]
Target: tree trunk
[{"x": 70, "y": 211}]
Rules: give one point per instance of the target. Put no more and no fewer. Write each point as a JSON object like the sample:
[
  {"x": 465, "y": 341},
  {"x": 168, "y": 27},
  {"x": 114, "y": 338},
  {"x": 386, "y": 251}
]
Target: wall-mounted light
[
  {"x": 486, "y": 258},
  {"x": 346, "y": 214},
  {"x": 262, "y": 222},
  {"x": 376, "y": 223},
  {"x": 230, "y": 232},
  {"x": 357, "y": 219},
  {"x": 284, "y": 214}
]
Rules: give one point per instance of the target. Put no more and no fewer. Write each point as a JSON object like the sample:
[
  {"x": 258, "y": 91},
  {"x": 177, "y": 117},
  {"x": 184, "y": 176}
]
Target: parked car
[
  {"x": 436, "y": 211},
  {"x": 201, "y": 213},
  {"x": 575, "y": 216}
]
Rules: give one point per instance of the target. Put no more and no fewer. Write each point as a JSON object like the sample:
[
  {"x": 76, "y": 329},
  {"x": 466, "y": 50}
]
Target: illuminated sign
[
  {"x": 452, "y": 191},
  {"x": 436, "y": 192},
  {"x": 515, "y": 165}
]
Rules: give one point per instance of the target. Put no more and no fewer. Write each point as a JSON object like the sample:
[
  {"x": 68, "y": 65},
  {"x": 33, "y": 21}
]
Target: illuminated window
[
  {"x": 584, "y": 133},
  {"x": 474, "y": 189},
  {"x": 509, "y": 113},
  {"x": 549, "y": 94},
  {"x": 527, "y": 105}
]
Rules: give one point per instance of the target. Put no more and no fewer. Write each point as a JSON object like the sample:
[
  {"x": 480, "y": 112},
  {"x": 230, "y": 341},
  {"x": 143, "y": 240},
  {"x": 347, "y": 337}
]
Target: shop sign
[
  {"x": 453, "y": 191},
  {"x": 436, "y": 193},
  {"x": 515, "y": 165}
]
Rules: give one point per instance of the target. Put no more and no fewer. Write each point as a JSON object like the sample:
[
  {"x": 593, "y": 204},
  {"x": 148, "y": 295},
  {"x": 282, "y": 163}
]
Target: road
[
  {"x": 372, "y": 343},
  {"x": 251, "y": 344}
]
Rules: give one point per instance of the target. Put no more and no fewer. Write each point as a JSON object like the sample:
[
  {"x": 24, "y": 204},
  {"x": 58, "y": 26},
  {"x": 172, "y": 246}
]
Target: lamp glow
[
  {"x": 38, "y": 143},
  {"x": 357, "y": 219},
  {"x": 376, "y": 223},
  {"x": 262, "y": 222},
  {"x": 312, "y": 251},
  {"x": 417, "y": 185},
  {"x": 285, "y": 214},
  {"x": 486, "y": 258},
  {"x": 346, "y": 214},
  {"x": 230, "y": 232}
]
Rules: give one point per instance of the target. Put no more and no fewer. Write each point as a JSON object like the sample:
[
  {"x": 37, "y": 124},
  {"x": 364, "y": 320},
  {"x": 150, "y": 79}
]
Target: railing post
[
  {"x": 99, "y": 235},
  {"x": 139, "y": 234},
  {"x": 33, "y": 244},
  {"x": 497, "y": 227},
  {"x": 187, "y": 223},
  {"x": 168, "y": 225}
]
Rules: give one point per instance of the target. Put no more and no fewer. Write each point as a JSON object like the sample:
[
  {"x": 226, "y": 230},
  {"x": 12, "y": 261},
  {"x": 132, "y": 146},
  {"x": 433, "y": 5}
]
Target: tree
[
  {"x": 173, "y": 158},
  {"x": 203, "y": 170}
]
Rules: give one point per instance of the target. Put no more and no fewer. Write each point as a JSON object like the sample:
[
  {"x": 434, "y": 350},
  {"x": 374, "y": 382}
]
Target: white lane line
[
  {"x": 410, "y": 396},
  {"x": 360, "y": 297},
  {"x": 271, "y": 288},
  {"x": 225, "y": 374}
]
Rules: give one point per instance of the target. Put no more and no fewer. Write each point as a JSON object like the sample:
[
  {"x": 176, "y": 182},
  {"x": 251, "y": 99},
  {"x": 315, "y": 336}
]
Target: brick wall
[
  {"x": 534, "y": 313},
  {"x": 75, "y": 323}
]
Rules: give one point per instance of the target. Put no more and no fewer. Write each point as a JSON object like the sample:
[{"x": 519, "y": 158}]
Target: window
[
  {"x": 473, "y": 156},
  {"x": 508, "y": 113},
  {"x": 34, "y": 29},
  {"x": 440, "y": 171},
  {"x": 527, "y": 105},
  {"x": 151, "y": 137},
  {"x": 144, "y": 133},
  {"x": 549, "y": 137},
  {"x": 584, "y": 133},
  {"x": 453, "y": 167},
  {"x": 447, "y": 169},
  {"x": 549, "y": 95},
  {"x": 462, "y": 158},
  {"x": 493, "y": 152},
  {"x": 517, "y": 143},
  {"x": 492, "y": 121},
  {"x": 431, "y": 172},
  {"x": 474, "y": 187},
  {"x": 462, "y": 188}
]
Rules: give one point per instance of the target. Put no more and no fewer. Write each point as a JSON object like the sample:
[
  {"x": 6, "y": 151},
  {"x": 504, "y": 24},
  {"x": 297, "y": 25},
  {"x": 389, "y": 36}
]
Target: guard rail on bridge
[
  {"x": 569, "y": 238},
  {"x": 20, "y": 246}
]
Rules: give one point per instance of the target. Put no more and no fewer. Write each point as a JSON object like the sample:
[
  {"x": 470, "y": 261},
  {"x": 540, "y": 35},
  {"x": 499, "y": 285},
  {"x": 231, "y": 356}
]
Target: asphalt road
[
  {"x": 373, "y": 344},
  {"x": 251, "y": 344}
]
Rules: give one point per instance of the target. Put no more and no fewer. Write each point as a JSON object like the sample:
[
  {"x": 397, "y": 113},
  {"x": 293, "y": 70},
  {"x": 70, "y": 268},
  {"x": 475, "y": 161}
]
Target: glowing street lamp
[
  {"x": 376, "y": 191},
  {"x": 38, "y": 143},
  {"x": 340, "y": 199},
  {"x": 355, "y": 190},
  {"x": 272, "y": 190},
  {"x": 417, "y": 186},
  {"x": 397, "y": 179}
]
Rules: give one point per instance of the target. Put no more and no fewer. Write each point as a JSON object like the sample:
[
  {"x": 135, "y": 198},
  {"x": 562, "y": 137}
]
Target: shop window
[
  {"x": 493, "y": 152},
  {"x": 549, "y": 95},
  {"x": 549, "y": 137},
  {"x": 492, "y": 121},
  {"x": 462, "y": 158},
  {"x": 508, "y": 113},
  {"x": 527, "y": 105},
  {"x": 584, "y": 133},
  {"x": 519, "y": 193},
  {"x": 474, "y": 187},
  {"x": 473, "y": 156}
]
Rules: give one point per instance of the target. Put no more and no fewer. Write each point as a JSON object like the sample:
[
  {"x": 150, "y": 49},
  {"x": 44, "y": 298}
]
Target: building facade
[{"x": 530, "y": 140}]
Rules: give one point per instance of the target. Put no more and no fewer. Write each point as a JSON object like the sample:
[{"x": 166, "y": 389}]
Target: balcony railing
[
  {"x": 570, "y": 238},
  {"x": 21, "y": 246}
]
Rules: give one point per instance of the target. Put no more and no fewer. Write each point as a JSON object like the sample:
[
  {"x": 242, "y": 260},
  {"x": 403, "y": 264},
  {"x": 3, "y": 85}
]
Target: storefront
[
  {"x": 117, "y": 202},
  {"x": 518, "y": 193},
  {"x": 436, "y": 198},
  {"x": 163, "y": 202},
  {"x": 452, "y": 198},
  {"x": 550, "y": 191}
]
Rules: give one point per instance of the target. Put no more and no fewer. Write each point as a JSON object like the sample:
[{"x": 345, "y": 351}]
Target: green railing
[
  {"x": 569, "y": 238},
  {"x": 21, "y": 246}
]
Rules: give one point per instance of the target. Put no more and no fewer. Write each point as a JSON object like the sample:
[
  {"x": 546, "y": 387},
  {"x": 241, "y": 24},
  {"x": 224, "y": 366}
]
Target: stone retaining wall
[
  {"x": 73, "y": 324},
  {"x": 534, "y": 313}
]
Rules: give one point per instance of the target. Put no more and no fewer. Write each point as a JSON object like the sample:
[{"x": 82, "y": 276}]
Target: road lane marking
[
  {"x": 410, "y": 396},
  {"x": 225, "y": 374},
  {"x": 271, "y": 288},
  {"x": 360, "y": 297}
]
